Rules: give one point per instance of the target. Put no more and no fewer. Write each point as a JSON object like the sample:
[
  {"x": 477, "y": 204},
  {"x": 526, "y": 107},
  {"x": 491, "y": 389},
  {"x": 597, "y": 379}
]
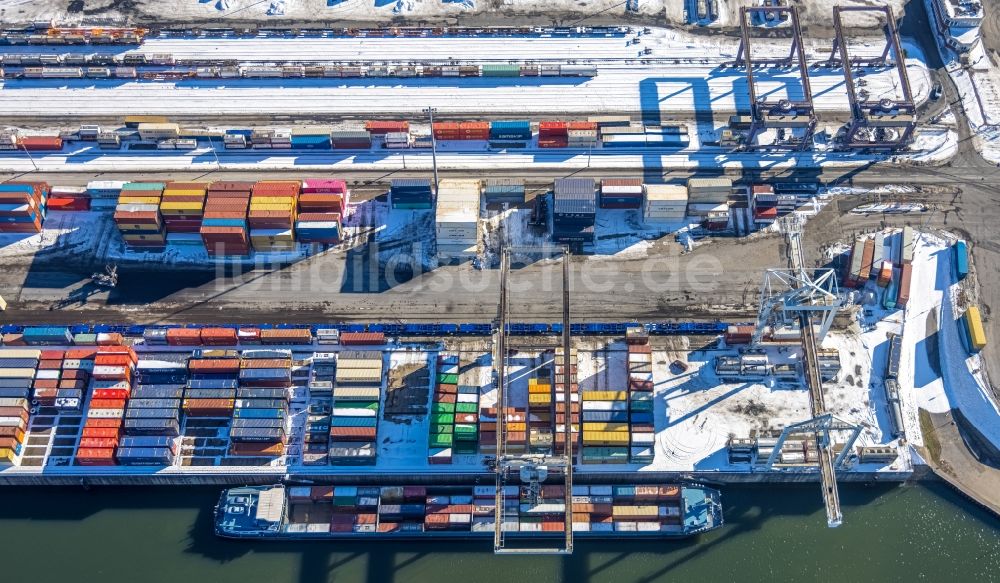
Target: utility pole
[{"x": 434, "y": 161}]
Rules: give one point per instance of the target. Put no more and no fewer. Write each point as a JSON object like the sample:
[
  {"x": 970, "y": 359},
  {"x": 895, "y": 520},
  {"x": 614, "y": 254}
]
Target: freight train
[{"x": 43, "y": 67}]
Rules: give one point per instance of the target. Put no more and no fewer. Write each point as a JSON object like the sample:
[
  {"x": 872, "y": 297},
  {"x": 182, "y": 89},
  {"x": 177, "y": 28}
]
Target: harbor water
[{"x": 921, "y": 532}]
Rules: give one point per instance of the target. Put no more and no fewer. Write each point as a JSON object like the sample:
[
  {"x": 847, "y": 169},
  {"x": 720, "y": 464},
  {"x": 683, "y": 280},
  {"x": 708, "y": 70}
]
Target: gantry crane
[{"x": 530, "y": 471}]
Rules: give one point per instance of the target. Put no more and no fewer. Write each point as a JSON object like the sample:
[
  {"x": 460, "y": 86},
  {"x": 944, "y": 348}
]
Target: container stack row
[
  {"x": 261, "y": 406},
  {"x": 456, "y": 219},
  {"x": 182, "y": 207},
  {"x": 540, "y": 418},
  {"x": 564, "y": 414},
  {"x": 224, "y": 229},
  {"x": 544, "y": 513},
  {"x": 273, "y": 206},
  {"x": 664, "y": 202},
  {"x": 316, "y": 449},
  {"x": 441, "y": 438},
  {"x": 574, "y": 210},
  {"x": 466, "y": 414},
  {"x": 321, "y": 206},
  {"x": 510, "y": 133},
  {"x": 138, "y": 216},
  {"x": 605, "y": 427},
  {"x": 153, "y": 413},
  {"x": 642, "y": 432},
  {"x": 18, "y": 368},
  {"x": 621, "y": 193},
  {"x": 503, "y": 190},
  {"x": 626, "y": 508},
  {"x": 411, "y": 194},
  {"x": 357, "y": 391},
  {"x": 466, "y": 130},
  {"x": 23, "y": 206},
  {"x": 112, "y": 381},
  {"x": 708, "y": 200},
  {"x": 353, "y": 509}
]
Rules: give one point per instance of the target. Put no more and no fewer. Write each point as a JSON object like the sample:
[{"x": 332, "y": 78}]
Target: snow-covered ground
[{"x": 812, "y": 12}]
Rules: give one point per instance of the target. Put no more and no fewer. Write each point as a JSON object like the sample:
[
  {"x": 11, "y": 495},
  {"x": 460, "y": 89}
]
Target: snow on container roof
[
  {"x": 675, "y": 192},
  {"x": 564, "y": 186}
]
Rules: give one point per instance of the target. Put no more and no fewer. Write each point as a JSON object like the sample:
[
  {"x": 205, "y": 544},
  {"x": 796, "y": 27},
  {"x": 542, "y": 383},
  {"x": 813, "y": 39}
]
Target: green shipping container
[
  {"x": 466, "y": 408},
  {"x": 442, "y": 418},
  {"x": 447, "y": 379},
  {"x": 501, "y": 70},
  {"x": 84, "y": 339},
  {"x": 465, "y": 448},
  {"x": 440, "y": 440},
  {"x": 442, "y": 428},
  {"x": 443, "y": 408}
]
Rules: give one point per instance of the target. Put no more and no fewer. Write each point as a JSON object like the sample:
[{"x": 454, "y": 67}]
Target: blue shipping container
[{"x": 961, "y": 259}]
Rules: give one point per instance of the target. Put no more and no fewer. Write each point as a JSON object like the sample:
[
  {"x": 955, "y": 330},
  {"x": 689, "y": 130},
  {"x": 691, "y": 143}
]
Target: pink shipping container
[
  {"x": 362, "y": 338},
  {"x": 323, "y": 186}
]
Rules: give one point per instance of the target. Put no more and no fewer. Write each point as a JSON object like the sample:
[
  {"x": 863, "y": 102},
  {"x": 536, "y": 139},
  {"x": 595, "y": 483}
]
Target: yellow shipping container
[
  {"x": 516, "y": 426},
  {"x": 539, "y": 399},
  {"x": 613, "y": 427},
  {"x": 138, "y": 200},
  {"x": 6, "y": 455},
  {"x": 270, "y": 206},
  {"x": 639, "y": 511},
  {"x": 604, "y": 395},
  {"x": 974, "y": 325},
  {"x": 168, "y": 205},
  {"x": 183, "y": 192},
  {"x": 605, "y": 438},
  {"x": 539, "y": 389}
]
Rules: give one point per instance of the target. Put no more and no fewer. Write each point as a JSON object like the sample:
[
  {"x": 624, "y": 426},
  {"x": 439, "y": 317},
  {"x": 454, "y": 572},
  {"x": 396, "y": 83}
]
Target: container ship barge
[{"x": 418, "y": 512}]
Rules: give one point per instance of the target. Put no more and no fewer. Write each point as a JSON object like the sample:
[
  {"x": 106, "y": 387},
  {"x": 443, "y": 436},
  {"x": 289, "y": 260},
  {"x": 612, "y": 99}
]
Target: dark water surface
[{"x": 149, "y": 535}]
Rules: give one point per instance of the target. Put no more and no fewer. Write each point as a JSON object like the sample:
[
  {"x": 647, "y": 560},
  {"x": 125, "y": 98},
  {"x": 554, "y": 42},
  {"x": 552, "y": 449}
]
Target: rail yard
[{"x": 520, "y": 283}]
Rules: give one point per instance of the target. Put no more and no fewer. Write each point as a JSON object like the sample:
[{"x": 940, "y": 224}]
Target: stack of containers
[
  {"x": 566, "y": 414},
  {"x": 17, "y": 369},
  {"x": 69, "y": 198},
  {"x": 448, "y": 512},
  {"x": 539, "y": 416},
  {"x": 382, "y": 128},
  {"x": 500, "y": 190},
  {"x": 212, "y": 384},
  {"x": 646, "y": 508},
  {"x": 516, "y": 427},
  {"x": 321, "y": 206},
  {"x": 74, "y": 379},
  {"x": 351, "y": 139},
  {"x": 709, "y": 198},
  {"x": 466, "y": 130},
  {"x": 272, "y": 215},
  {"x": 112, "y": 374},
  {"x": 581, "y": 134},
  {"x": 311, "y": 138},
  {"x": 665, "y": 202},
  {"x": 484, "y": 504},
  {"x": 354, "y": 509},
  {"x": 152, "y": 417},
  {"x": 765, "y": 204},
  {"x": 224, "y": 228},
  {"x": 42, "y": 375},
  {"x": 553, "y": 134},
  {"x": 605, "y": 427},
  {"x": 23, "y": 206},
  {"x": 182, "y": 207},
  {"x": 466, "y": 413},
  {"x": 261, "y": 407},
  {"x": 640, "y": 401},
  {"x": 138, "y": 216},
  {"x": 411, "y": 193},
  {"x": 441, "y": 440},
  {"x": 574, "y": 210},
  {"x": 48, "y": 377},
  {"x": 546, "y": 513},
  {"x": 401, "y": 508},
  {"x": 510, "y": 133},
  {"x": 286, "y": 336},
  {"x": 356, "y": 393},
  {"x": 621, "y": 193},
  {"x": 456, "y": 219}
]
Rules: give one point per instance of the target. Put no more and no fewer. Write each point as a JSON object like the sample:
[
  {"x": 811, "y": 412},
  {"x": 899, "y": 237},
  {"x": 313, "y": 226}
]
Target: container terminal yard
[{"x": 397, "y": 326}]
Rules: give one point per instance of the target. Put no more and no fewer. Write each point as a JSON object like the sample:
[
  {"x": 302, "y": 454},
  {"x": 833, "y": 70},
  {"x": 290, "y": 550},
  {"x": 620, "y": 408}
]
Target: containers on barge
[{"x": 395, "y": 512}]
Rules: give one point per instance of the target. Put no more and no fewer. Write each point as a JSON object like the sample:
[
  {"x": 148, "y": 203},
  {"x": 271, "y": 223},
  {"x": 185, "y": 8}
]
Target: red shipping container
[
  {"x": 40, "y": 143},
  {"x": 95, "y": 457},
  {"x": 52, "y": 355},
  {"x": 111, "y": 394},
  {"x": 228, "y": 186},
  {"x": 45, "y": 383},
  {"x": 581, "y": 125},
  {"x": 107, "y": 403},
  {"x": 362, "y": 338},
  {"x": 98, "y": 442},
  {"x": 102, "y": 423},
  {"x": 68, "y": 204},
  {"x": 50, "y": 364},
  {"x": 553, "y": 143},
  {"x": 102, "y": 432},
  {"x": 112, "y": 359},
  {"x": 213, "y": 365},
  {"x": 353, "y": 433},
  {"x": 73, "y": 384},
  {"x": 110, "y": 339},
  {"x": 183, "y": 336},
  {"x": 378, "y": 127}
]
